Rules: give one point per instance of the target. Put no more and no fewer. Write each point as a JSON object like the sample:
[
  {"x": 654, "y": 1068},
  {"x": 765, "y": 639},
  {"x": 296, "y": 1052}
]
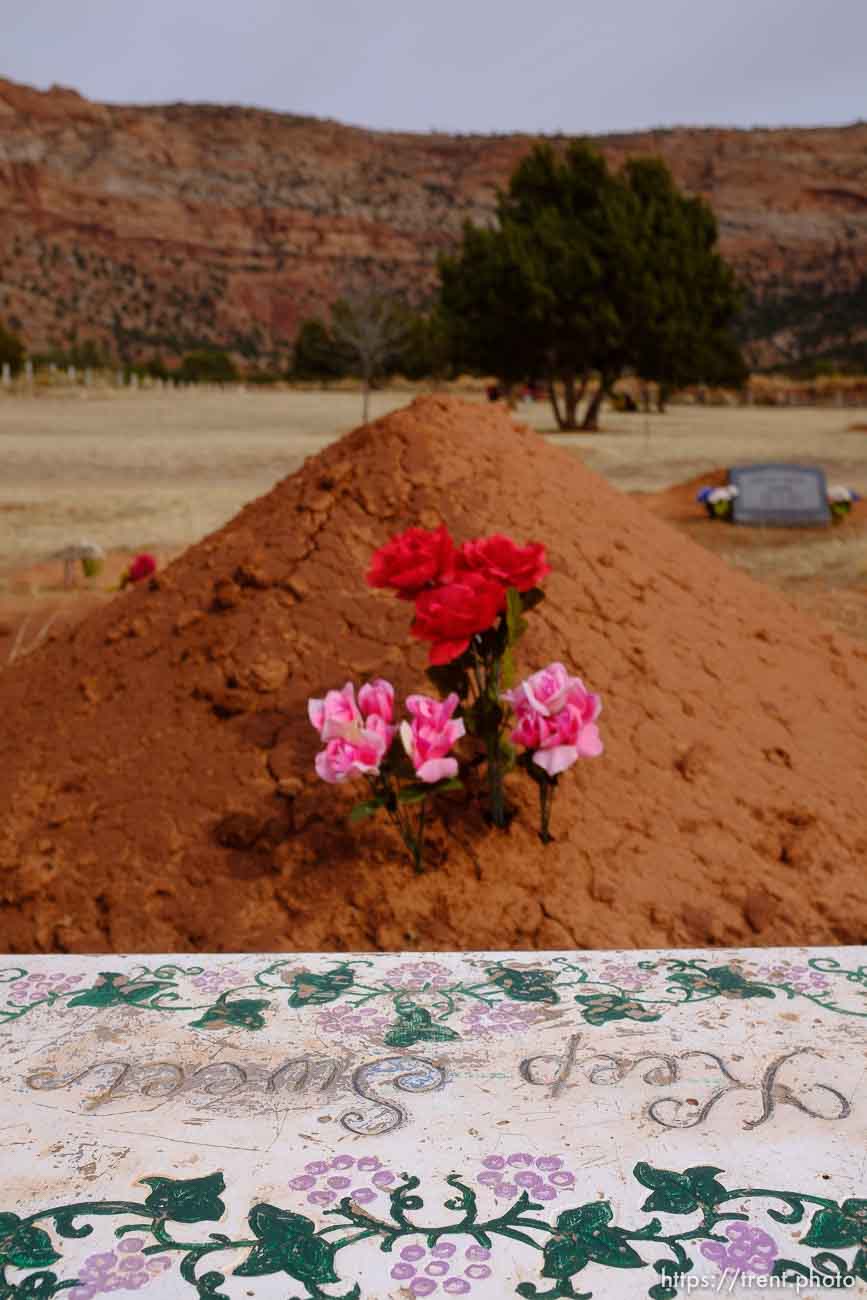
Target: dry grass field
[{"x": 157, "y": 471}]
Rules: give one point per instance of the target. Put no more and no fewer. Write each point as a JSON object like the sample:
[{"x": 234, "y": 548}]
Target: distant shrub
[{"x": 208, "y": 366}]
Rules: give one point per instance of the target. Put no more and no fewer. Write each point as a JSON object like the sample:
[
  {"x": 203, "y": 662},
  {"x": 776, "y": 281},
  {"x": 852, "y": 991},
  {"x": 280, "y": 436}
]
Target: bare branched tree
[{"x": 370, "y": 320}]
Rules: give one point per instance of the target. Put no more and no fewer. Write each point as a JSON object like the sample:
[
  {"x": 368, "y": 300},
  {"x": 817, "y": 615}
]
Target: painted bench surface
[{"x": 376, "y": 1127}]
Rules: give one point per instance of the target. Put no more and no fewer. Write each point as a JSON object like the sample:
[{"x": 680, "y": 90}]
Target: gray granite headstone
[{"x": 780, "y": 495}]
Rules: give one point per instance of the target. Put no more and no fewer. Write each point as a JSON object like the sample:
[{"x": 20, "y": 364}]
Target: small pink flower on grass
[{"x": 431, "y": 734}]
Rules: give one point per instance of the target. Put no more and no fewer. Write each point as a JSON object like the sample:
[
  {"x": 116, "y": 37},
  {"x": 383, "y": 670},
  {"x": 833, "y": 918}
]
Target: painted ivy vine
[
  {"x": 421, "y": 1009},
  {"x": 280, "y": 1241}
]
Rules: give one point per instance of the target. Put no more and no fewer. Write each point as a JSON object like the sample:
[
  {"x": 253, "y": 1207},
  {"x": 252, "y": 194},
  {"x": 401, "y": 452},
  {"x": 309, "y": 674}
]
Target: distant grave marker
[
  {"x": 7, "y": 374},
  {"x": 780, "y": 495}
]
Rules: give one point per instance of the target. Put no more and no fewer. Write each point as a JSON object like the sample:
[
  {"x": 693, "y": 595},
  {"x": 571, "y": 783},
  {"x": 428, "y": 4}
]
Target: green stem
[{"x": 546, "y": 798}]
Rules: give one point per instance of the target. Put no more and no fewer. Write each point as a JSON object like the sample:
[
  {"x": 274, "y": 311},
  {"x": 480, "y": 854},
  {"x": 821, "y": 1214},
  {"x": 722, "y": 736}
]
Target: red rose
[
  {"x": 499, "y": 559},
  {"x": 414, "y": 560},
  {"x": 449, "y": 616}
]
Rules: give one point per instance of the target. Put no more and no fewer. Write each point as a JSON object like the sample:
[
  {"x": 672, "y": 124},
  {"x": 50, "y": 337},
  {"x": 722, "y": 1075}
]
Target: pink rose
[
  {"x": 342, "y": 758},
  {"x": 549, "y": 690},
  {"x": 336, "y": 712},
  {"x": 555, "y": 715},
  {"x": 502, "y": 560},
  {"x": 430, "y": 736},
  {"x": 377, "y": 697},
  {"x": 358, "y": 735}
]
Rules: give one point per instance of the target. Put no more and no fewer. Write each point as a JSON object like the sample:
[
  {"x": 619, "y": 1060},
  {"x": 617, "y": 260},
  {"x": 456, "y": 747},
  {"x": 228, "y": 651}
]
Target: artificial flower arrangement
[
  {"x": 469, "y": 604},
  {"x": 143, "y": 566},
  {"x": 840, "y": 500},
  {"x": 719, "y": 501}
]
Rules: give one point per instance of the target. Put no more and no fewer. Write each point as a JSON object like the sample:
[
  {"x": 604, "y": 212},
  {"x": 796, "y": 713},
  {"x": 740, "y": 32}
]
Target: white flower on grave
[
  {"x": 837, "y": 492},
  {"x": 81, "y": 550},
  {"x": 726, "y": 493}
]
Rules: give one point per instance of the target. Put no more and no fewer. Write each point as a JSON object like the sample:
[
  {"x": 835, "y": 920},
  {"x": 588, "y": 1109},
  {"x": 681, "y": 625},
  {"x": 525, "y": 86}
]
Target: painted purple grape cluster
[
  {"x": 543, "y": 1177},
  {"x": 501, "y": 1018},
  {"x": 624, "y": 975},
  {"x": 218, "y": 981},
  {"x": 33, "y": 987},
  {"x": 123, "y": 1269},
  {"x": 750, "y": 1250},
  {"x": 448, "y": 1267},
  {"x": 416, "y": 974},
  {"x": 800, "y": 977},
  {"x": 351, "y": 1020},
  {"x": 362, "y": 1179}
]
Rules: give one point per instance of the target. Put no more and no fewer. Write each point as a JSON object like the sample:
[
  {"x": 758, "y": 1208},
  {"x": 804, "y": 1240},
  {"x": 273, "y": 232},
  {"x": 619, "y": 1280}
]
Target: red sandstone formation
[
  {"x": 156, "y": 782},
  {"x": 149, "y": 229}
]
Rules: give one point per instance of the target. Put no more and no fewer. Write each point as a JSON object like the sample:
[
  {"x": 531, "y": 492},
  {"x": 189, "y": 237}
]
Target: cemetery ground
[{"x": 157, "y": 471}]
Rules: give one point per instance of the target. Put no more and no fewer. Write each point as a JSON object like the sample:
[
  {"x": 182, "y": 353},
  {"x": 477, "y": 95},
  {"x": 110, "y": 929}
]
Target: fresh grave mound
[{"x": 156, "y": 764}]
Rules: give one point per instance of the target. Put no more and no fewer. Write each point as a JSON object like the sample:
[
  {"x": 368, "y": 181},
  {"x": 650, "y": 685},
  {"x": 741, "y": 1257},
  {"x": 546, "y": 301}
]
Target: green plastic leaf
[
  {"x": 413, "y": 794},
  {"x": 365, "y": 809},
  {"x": 186, "y": 1200},
  {"x": 451, "y": 783},
  {"x": 530, "y": 599},
  {"x": 240, "y": 1013},
  {"x": 516, "y": 624}
]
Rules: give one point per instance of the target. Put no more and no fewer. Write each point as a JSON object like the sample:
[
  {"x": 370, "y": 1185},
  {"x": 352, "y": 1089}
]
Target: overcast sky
[{"x": 566, "y": 66}]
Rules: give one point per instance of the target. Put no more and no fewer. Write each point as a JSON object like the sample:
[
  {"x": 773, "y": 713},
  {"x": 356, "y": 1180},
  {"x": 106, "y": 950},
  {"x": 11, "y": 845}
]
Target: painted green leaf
[
  {"x": 287, "y": 1244},
  {"x": 600, "y": 1008},
  {"x": 38, "y": 1286},
  {"x": 564, "y": 1258},
  {"x": 525, "y": 985},
  {"x": 588, "y": 1226},
  {"x": 839, "y": 1228},
  {"x": 364, "y": 809},
  {"x": 115, "y": 989},
  {"x": 186, "y": 1200},
  {"x": 720, "y": 981},
  {"x": 674, "y": 1193},
  {"x": 24, "y": 1246},
  {"x": 313, "y": 990},
  {"x": 240, "y": 1013},
  {"x": 415, "y": 1024}
]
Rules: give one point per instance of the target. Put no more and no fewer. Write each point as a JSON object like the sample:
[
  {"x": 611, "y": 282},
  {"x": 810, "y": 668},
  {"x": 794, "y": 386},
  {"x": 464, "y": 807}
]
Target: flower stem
[{"x": 546, "y": 798}]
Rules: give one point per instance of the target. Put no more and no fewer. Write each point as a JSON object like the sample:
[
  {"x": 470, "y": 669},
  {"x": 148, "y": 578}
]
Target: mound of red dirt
[{"x": 156, "y": 786}]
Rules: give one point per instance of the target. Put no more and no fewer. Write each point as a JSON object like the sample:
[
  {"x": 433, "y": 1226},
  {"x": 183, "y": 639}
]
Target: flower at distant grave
[
  {"x": 449, "y": 616},
  {"x": 750, "y": 1251},
  {"x": 502, "y": 560},
  {"x": 413, "y": 560},
  {"x": 837, "y": 492},
  {"x": 431, "y": 734},
  {"x": 142, "y": 567}
]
